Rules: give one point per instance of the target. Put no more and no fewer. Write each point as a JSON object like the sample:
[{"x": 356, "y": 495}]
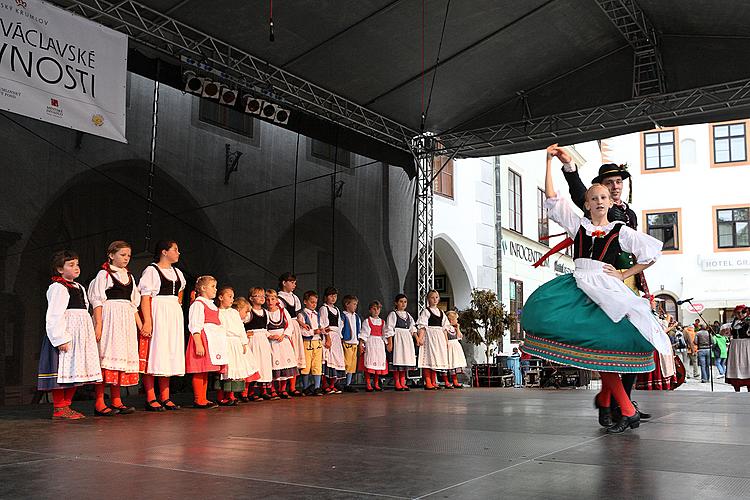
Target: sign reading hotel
[
  {"x": 61, "y": 68},
  {"x": 725, "y": 262}
]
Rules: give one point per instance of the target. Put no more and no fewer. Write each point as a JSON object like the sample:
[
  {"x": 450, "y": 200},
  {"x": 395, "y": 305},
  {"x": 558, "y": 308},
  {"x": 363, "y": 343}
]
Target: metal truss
[
  {"x": 423, "y": 146},
  {"x": 160, "y": 32},
  {"x": 648, "y": 72},
  {"x": 651, "y": 110}
]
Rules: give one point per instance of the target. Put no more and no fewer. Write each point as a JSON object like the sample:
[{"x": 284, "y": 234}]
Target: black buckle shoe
[
  {"x": 605, "y": 414},
  {"x": 625, "y": 423},
  {"x": 644, "y": 416}
]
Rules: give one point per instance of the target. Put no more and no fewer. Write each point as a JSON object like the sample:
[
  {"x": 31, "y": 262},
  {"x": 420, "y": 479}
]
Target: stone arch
[{"x": 456, "y": 268}]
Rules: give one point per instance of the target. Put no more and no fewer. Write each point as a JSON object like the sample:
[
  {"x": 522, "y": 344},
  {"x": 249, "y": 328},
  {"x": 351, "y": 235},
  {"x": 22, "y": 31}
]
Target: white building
[{"x": 691, "y": 191}]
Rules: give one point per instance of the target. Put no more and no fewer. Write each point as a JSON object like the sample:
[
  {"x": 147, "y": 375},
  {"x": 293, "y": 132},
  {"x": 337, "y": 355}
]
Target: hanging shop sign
[{"x": 60, "y": 68}]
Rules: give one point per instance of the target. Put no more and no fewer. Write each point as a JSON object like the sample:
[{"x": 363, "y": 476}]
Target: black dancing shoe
[
  {"x": 625, "y": 423},
  {"x": 170, "y": 405},
  {"x": 153, "y": 408},
  {"x": 207, "y": 406},
  {"x": 106, "y": 412},
  {"x": 124, "y": 410},
  {"x": 605, "y": 414},
  {"x": 644, "y": 416}
]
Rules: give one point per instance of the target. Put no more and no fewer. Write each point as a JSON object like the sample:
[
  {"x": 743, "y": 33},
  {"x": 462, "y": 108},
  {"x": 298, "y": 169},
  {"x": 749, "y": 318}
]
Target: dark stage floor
[{"x": 474, "y": 443}]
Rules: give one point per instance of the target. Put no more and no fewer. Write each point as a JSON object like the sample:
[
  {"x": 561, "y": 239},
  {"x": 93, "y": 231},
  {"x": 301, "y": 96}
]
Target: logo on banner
[{"x": 54, "y": 102}]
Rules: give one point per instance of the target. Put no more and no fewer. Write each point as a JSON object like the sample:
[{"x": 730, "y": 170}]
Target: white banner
[{"x": 61, "y": 68}]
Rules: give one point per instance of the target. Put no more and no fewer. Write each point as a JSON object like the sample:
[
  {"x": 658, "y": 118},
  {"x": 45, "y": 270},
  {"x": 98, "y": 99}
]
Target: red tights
[
  {"x": 62, "y": 398},
  {"x": 430, "y": 378},
  {"x": 612, "y": 387},
  {"x": 368, "y": 380},
  {"x": 114, "y": 393},
  {"x": 399, "y": 379},
  {"x": 200, "y": 388},
  {"x": 148, "y": 386}
]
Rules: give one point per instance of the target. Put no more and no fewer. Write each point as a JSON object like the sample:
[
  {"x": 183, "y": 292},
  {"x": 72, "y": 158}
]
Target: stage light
[
  {"x": 268, "y": 110},
  {"x": 193, "y": 84},
  {"x": 228, "y": 96},
  {"x": 282, "y": 116},
  {"x": 211, "y": 89},
  {"x": 252, "y": 105}
]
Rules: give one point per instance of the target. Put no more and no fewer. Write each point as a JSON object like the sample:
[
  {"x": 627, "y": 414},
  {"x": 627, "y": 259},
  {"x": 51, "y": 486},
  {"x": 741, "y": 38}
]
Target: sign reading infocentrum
[{"x": 62, "y": 69}]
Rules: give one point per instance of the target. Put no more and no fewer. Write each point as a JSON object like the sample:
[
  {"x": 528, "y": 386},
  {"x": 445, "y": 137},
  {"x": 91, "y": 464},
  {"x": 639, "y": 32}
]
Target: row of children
[{"x": 257, "y": 349}]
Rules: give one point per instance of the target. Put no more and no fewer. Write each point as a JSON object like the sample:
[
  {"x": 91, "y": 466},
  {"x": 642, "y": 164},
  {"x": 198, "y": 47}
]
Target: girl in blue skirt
[{"x": 591, "y": 319}]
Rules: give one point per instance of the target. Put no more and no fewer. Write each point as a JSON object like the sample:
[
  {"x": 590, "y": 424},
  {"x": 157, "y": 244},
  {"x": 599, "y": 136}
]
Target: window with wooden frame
[
  {"x": 659, "y": 151},
  {"x": 443, "y": 172},
  {"x": 542, "y": 217},
  {"x": 225, "y": 117},
  {"x": 516, "y": 305},
  {"x": 732, "y": 226},
  {"x": 515, "y": 202},
  {"x": 665, "y": 226},
  {"x": 729, "y": 144}
]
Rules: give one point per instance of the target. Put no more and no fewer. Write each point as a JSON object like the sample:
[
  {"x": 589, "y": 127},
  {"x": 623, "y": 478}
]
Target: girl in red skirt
[
  {"x": 373, "y": 344},
  {"x": 206, "y": 351}
]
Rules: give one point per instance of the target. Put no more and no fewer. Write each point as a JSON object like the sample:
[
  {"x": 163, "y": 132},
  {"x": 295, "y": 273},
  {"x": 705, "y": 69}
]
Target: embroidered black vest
[
  {"x": 76, "y": 300},
  {"x": 168, "y": 287},
  {"x": 118, "y": 290},
  {"x": 257, "y": 321},
  {"x": 435, "y": 319},
  {"x": 605, "y": 248},
  {"x": 333, "y": 318}
]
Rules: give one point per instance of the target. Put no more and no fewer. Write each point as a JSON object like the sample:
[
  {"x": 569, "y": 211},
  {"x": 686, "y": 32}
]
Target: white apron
[
  {"x": 403, "y": 348},
  {"x": 118, "y": 347},
  {"x": 166, "y": 356},
  {"x": 456, "y": 358},
  {"x": 334, "y": 357},
  {"x": 217, "y": 343},
  {"x": 262, "y": 353},
  {"x": 434, "y": 353},
  {"x": 81, "y": 362},
  {"x": 375, "y": 353}
]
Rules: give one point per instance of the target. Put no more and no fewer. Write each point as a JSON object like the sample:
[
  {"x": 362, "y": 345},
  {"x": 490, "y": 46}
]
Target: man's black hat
[{"x": 609, "y": 170}]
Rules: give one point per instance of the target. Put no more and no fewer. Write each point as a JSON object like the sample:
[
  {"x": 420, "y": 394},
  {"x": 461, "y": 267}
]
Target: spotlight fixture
[
  {"x": 193, "y": 84},
  {"x": 252, "y": 105},
  {"x": 228, "y": 96},
  {"x": 282, "y": 116},
  {"x": 211, "y": 89},
  {"x": 268, "y": 110}
]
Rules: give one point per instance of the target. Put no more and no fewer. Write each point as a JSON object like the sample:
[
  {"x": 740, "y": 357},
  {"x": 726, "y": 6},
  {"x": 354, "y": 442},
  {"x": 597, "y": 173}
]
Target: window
[
  {"x": 514, "y": 202},
  {"x": 542, "y": 217},
  {"x": 729, "y": 143},
  {"x": 226, "y": 117},
  {"x": 443, "y": 172},
  {"x": 659, "y": 150},
  {"x": 331, "y": 153},
  {"x": 667, "y": 305},
  {"x": 664, "y": 226},
  {"x": 516, "y": 305},
  {"x": 732, "y": 227}
]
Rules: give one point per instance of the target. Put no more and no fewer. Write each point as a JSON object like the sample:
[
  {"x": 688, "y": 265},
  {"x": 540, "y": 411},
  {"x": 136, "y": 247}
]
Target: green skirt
[{"x": 565, "y": 326}]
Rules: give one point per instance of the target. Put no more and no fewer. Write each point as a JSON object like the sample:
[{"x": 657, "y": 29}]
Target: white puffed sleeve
[
  {"x": 412, "y": 324},
  {"x": 196, "y": 317},
  {"x": 646, "y": 248},
  {"x": 289, "y": 330},
  {"x": 323, "y": 315},
  {"x": 98, "y": 288},
  {"x": 389, "y": 330},
  {"x": 424, "y": 318},
  {"x": 57, "y": 303},
  {"x": 135, "y": 295},
  {"x": 182, "y": 279},
  {"x": 364, "y": 332},
  {"x": 561, "y": 211},
  {"x": 150, "y": 282},
  {"x": 446, "y": 323}
]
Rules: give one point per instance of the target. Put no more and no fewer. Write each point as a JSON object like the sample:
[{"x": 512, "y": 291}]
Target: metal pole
[
  {"x": 152, "y": 163},
  {"x": 424, "y": 147}
]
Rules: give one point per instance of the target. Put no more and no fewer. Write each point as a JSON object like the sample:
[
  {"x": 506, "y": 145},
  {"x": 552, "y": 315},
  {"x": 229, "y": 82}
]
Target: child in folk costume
[
  {"x": 161, "y": 346},
  {"x": 372, "y": 344},
  {"x": 333, "y": 355},
  {"x": 115, "y": 298},
  {"x": 590, "y": 319},
  {"x": 313, "y": 339},
  {"x": 257, "y": 331},
  {"x": 240, "y": 367},
  {"x": 456, "y": 358},
  {"x": 242, "y": 307},
  {"x": 351, "y": 325},
  {"x": 69, "y": 356},
  {"x": 280, "y": 331},
  {"x": 401, "y": 327},
  {"x": 207, "y": 347},
  {"x": 289, "y": 301},
  {"x": 433, "y": 340}
]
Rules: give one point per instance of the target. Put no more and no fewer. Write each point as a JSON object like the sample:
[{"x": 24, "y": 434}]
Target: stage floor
[{"x": 472, "y": 443}]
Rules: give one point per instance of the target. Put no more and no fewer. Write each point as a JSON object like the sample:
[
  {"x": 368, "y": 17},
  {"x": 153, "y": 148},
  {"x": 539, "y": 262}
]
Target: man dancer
[{"x": 611, "y": 176}]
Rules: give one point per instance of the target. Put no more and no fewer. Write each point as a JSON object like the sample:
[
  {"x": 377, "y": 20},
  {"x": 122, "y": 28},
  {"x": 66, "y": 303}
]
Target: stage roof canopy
[{"x": 512, "y": 75}]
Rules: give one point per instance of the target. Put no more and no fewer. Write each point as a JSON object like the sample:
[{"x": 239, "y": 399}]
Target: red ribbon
[
  {"x": 63, "y": 281},
  {"x": 557, "y": 248}
]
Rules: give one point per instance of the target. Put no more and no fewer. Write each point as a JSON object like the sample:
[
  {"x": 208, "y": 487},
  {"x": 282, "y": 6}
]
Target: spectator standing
[
  {"x": 720, "y": 352},
  {"x": 703, "y": 340},
  {"x": 692, "y": 352}
]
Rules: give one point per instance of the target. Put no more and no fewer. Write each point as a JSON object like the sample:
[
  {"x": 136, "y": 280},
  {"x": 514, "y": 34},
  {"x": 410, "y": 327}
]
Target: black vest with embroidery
[
  {"x": 435, "y": 319},
  {"x": 289, "y": 307},
  {"x": 118, "y": 290},
  {"x": 404, "y": 323},
  {"x": 257, "y": 321},
  {"x": 276, "y": 325},
  {"x": 76, "y": 300},
  {"x": 333, "y": 318},
  {"x": 167, "y": 286},
  {"x": 603, "y": 248}
]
